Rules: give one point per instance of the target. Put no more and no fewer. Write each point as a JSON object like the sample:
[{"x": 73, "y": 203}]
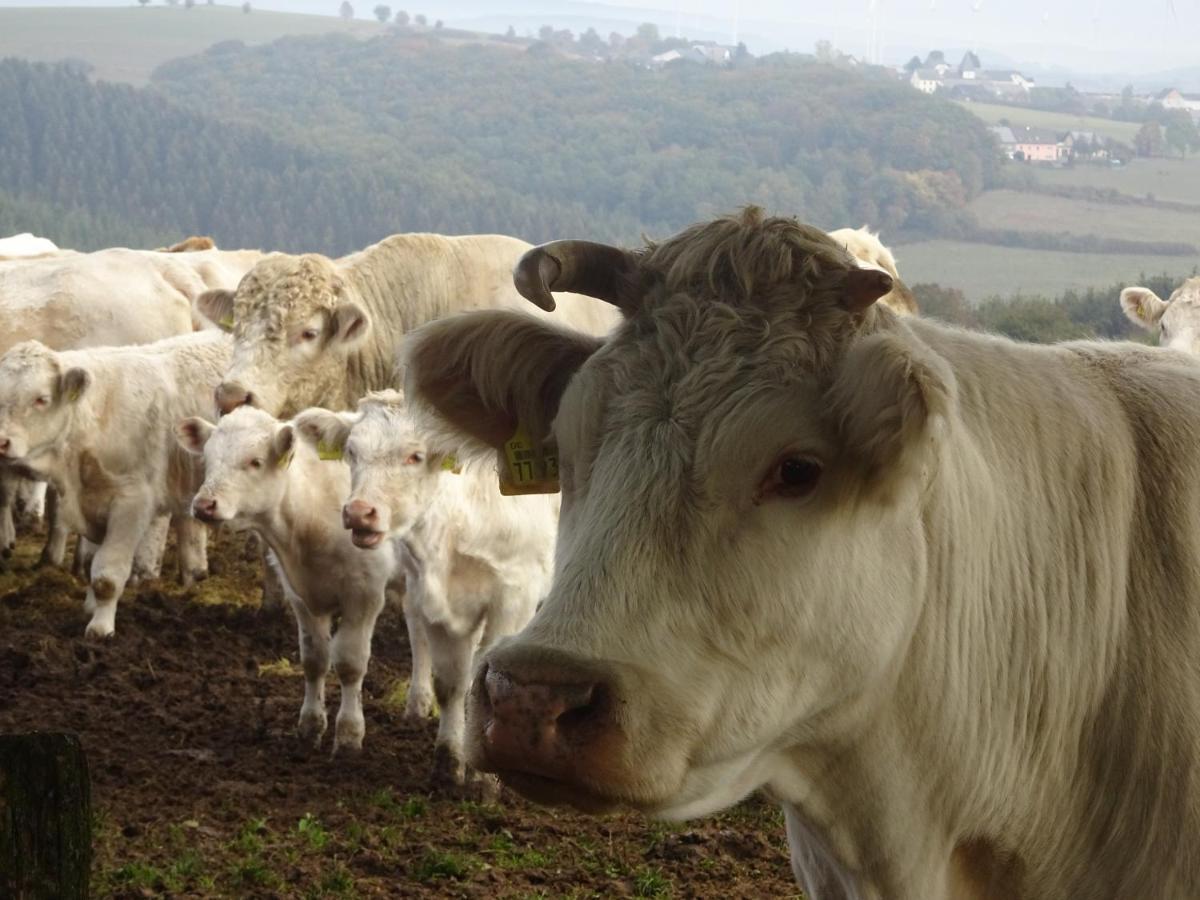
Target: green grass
[
  {"x": 992, "y": 113},
  {"x": 1043, "y": 212},
  {"x": 128, "y": 43},
  {"x": 1164, "y": 179},
  {"x": 982, "y": 270}
]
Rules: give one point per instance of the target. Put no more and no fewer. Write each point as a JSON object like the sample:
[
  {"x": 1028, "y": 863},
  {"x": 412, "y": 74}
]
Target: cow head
[
  {"x": 1177, "y": 319},
  {"x": 740, "y": 544},
  {"x": 394, "y": 472},
  {"x": 38, "y": 395},
  {"x": 294, "y": 320},
  {"x": 866, "y": 247},
  {"x": 245, "y": 461}
]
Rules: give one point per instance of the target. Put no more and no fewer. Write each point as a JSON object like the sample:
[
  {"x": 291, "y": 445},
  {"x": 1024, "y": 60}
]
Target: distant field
[
  {"x": 1166, "y": 179},
  {"x": 128, "y": 43},
  {"x": 981, "y": 270},
  {"x": 992, "y": 114},
  {"x": 1041, "y": 212}
]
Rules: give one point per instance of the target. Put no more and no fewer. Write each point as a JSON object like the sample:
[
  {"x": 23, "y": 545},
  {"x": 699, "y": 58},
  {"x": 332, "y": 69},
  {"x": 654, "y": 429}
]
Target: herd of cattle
[{"x": 932, "y": 590}]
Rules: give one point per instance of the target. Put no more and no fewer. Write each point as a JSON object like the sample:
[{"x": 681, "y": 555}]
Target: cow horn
[{"x": 582, "y": 267}]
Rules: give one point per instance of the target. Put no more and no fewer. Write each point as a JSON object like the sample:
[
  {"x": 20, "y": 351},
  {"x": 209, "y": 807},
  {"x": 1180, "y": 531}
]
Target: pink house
[{"x": 1038, "y": 145}]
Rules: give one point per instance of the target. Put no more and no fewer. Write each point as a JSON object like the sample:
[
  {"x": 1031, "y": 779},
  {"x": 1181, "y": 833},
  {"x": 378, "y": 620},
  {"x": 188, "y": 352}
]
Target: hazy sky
[{"x": 1106, "y": 32}]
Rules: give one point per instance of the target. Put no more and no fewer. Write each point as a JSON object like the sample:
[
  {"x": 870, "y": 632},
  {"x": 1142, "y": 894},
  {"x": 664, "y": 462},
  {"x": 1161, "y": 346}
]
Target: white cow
[
  {"x": 477, "y": 563},
  {"x": 69, "y": 301},
  {"x": 20, "y": 246},
  {"x": 865, "y": 246},
  {"x": 98, "y": 424},
  {"x": 934, "y": 591},
  {"x": 258, "y": 475},
  {"x": 1176, "y": 319}
]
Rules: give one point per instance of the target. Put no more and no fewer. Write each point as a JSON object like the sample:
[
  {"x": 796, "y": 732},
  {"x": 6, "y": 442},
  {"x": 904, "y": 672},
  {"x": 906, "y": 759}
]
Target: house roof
[
  {"x": 970, "y": 62},
  {"x": 1028, "y": 135}
]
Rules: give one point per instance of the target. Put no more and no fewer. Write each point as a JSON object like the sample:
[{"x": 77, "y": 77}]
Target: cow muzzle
[
  {"x": 548, "y": 729},
  {"x": 363, "y": 521},
  {"x": 205, "y": 509},
  {"x": 230, "y": 395}
]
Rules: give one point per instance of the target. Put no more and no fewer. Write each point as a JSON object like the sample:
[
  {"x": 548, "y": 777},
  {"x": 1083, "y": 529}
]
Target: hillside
[{"x": 127, "y": 43}]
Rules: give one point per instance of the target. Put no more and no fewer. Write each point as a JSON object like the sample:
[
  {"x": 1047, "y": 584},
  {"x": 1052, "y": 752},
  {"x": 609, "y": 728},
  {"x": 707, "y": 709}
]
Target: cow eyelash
[{"x": 793, "y": 476}]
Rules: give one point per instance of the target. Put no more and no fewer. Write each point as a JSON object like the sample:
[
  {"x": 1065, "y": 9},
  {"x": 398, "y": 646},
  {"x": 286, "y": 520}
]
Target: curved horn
[{"x": 582, "y": 267}]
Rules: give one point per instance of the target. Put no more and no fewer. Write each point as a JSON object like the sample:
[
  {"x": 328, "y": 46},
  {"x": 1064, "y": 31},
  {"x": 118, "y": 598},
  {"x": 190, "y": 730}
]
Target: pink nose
[
  {"x": 204, "y": 509},
  {"x": 550, "y": 724},
  {"x": 230, "y": 396},
  {"x": 359, "y": 514}
]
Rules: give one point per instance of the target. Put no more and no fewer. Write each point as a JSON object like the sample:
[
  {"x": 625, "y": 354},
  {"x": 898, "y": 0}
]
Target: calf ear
[
  {"x": 863, "y": 286},
  {"x": 1142, "y": 306},
  {"x": 484, "y": 373},
  {"x": 283, "y": 445},
  {"x": 72, "y": 384},
  {"x": 217, "y": 306},
  {"x": 350, "y": 325},
  {"x": 889, "y": 395},
  {"x": 193, "y": 434},
  {"x": 325, "y": 430}
]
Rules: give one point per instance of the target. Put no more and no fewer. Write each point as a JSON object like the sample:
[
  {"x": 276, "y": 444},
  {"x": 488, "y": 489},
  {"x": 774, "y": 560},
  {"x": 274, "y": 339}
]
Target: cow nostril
[
  {"x": 248, "y": 400},
  {"x": 583, "y": 703}
]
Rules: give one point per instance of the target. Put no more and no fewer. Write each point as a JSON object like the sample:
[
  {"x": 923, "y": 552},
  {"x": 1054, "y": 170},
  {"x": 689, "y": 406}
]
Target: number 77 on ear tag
[{"x": 526, "y": 469}]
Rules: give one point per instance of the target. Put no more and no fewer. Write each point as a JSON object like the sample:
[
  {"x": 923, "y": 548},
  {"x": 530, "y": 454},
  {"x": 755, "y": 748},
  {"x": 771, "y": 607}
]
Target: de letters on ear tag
[
  {"x": 328, "y": 451},
  {"x": 526, "y": 468}
]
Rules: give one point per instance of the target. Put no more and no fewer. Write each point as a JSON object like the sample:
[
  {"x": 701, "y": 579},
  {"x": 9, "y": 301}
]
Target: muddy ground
[{"x": 201, "y": 788}]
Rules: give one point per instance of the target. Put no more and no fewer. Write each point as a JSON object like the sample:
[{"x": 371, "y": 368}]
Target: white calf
[
  {"x": 98, "y": 425},
  {"x": 478, "y": 562},
  {"x": 257, "y": 474}
]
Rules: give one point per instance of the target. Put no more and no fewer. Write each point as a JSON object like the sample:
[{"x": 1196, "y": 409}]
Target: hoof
[
  {"x": 448, "y": 771},
  {"x": 99, "y": 631},
  {"x": 311, "y": 729}
]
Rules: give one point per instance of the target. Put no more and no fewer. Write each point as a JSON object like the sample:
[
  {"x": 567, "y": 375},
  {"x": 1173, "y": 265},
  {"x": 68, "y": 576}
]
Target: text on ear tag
[
  {"x": 328, "y": 451},
  {"x": 526, "y": 469}
]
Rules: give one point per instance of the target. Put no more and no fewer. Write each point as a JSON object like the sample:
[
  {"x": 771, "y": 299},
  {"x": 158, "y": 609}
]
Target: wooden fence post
[{"x": 45, "y": 817}]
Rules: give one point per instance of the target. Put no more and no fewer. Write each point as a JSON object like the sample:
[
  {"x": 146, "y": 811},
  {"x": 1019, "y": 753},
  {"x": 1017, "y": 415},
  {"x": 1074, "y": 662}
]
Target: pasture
[
  {"x": 128, "y": 43},
  {"x": 201, "y": 788},
  {"x": 995, "y": 113},
  {"x": 985, "y": 270},
  {"x": 1162, "y": 179}
]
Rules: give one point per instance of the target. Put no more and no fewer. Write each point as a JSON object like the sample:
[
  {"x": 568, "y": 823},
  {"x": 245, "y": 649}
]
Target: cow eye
[
  {"x": 413, "y": 459},
  {"x": 309, "y": 334},
  {"x": 792, "y": 476},
  {"x": 256, "y": 463},
  {"x": 42, "y": 402}
]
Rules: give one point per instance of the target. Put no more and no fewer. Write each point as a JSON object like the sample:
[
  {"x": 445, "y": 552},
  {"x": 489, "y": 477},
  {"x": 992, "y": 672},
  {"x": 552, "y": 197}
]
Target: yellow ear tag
[
  {"x": 72, "y": 395},
  {"x": 226, "y": 322},
  {"x": 450, "y": 464},
  {"x": 286, "y": 459},
  {"x": 525, "y": 469},
  {"x": 328, "y": 451}
]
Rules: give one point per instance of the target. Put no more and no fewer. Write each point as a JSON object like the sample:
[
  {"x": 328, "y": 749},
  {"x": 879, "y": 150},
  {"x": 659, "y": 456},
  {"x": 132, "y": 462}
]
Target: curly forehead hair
[
  {"x": 282, "y": 283},
  {"x": 745, "y": 259},
  {"x": 25, "y": 355}
]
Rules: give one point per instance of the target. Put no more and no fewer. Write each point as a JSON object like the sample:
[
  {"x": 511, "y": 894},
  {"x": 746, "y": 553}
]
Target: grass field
[
  {"x": 1164, "y": 179},
  {"x": 992, "y": 113},
  {"x": 981, "y": 270},
  {"x": 1042, "y": 212},
  {"x": 128, "y": 43}
]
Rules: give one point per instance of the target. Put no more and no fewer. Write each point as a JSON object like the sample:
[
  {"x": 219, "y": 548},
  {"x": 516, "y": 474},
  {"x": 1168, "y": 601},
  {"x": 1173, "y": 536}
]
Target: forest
[{"x": 330, "y": 143}]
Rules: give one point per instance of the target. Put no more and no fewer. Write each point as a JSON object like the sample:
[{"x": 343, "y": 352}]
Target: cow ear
[
  {"x": 325, "y": 430},
  {"x": 193, "y": 434},
  {"x": 350, "y": 325},
  {"x": 217, "y": 306},
  {"x": 486, "y": 373},
  {"x": 1142, "y": 306},
  {"x": 283, "y": 445},
  {"x": 890, "y": 394},
  {"x": 72, "y": 384}
]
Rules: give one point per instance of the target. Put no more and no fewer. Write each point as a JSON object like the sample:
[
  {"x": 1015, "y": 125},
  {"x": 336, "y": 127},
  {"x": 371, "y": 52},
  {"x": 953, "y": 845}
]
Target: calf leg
[
  {"x": 147, "y": 559},
  {"x": 273, "y": 592},
  {"x": 128, "y": 520},
  {"x": 453, "y": 650},
  {"x": 314, "y": 657},
  {"x": 420, "y": 686},
  {"x": 8, "y": 528},
  {"x": 55, "y": 550},
  {"x": 191, "y": 540},
  {"x": 31, "y": 502},
  {"x": 351, "y": 654}
]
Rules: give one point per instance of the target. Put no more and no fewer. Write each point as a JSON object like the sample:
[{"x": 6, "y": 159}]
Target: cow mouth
[
  {"x": 207, "y": 518},
  {"x": 552, "y": 792},
  {"x": 367, "y": 538}
]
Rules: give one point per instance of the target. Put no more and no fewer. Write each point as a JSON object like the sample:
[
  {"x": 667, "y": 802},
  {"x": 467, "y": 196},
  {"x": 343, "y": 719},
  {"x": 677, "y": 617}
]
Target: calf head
[
  {"x": 739, "y": 556},
  {"x": 395, "y": 474},
  {"x": 38, "y": 395},
  {"x": 866, "y": 247},
  {"x": 245, "y": 462},
  {"x": 294, "y": 321},
  {"x": 1177, "y": 319}
]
